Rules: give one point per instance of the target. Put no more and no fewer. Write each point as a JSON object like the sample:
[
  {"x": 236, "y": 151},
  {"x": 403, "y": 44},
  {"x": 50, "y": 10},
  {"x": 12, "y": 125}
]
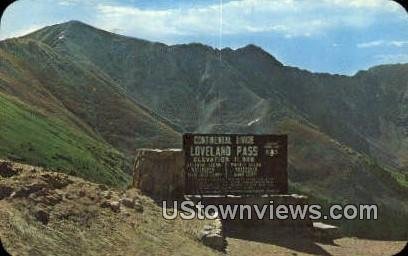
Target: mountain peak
[
  {"x": 254, "y": 50},
  {"x": 62, "y": 32},
  {"x": 251, "y": 47},
  {"x": 75, "y": 24},
  {"x": 53, "y": 31}
]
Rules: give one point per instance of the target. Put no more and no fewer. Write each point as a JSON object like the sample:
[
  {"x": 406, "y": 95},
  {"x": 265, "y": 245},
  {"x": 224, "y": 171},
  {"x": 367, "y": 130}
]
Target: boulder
[
  {"x": 113, "y": 205},
  {"x": 5, "y": 191},
  {"x": 159, "y": 173},
  {"x": 42, "y": 216},
  {"x": 323, "y": 231},
  {"x": 81, "y": 193},
  {"x": 138, "y": 206},
  {"x": 213, "y": 236},
  {"x": 56, "y": 181},
  {"x": 214, "y": 241},
  {"x": 6, "y": 170},
  {"x": 128, "y": 202},
  {"x": 107, "y": 194}
]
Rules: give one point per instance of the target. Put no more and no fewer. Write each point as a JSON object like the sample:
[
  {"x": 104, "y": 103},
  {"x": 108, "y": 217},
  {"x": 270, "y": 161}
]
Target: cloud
[
  {"x": 364, "y": 4},
  {"x": 371, "y": 44},
  {"x": 68, "y": 2},
  {"x": 382, "y": 43},
  {"x": 289, "y": 18},
  {"x": 399, "y": 43}
]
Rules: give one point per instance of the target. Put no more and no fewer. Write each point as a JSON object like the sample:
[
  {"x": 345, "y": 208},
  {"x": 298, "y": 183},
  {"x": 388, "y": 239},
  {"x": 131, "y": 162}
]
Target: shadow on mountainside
[{"x": 297, "y": 239}]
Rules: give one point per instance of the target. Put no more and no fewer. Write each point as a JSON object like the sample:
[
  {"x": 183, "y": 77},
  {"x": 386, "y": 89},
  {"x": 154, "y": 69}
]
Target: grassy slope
[
  {"x": 29, "y": 136},
  {"x": 91, "y": 96},
  {"x": 76, "y": 113}
]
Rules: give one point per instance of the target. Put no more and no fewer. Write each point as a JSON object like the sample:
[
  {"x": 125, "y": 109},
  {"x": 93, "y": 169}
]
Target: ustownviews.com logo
[{"x": 190, "y": 210}]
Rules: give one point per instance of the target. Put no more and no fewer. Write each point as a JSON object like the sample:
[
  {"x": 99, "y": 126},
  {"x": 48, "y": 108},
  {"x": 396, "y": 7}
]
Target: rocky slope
[{"x": 49, "y": 213}]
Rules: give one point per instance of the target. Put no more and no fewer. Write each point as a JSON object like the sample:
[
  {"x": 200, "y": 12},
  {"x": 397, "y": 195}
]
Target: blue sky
[{"x": 334, "y": 36}]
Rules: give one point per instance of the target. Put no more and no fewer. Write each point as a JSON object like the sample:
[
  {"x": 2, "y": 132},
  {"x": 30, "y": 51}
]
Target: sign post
[{"x": 235, "y": 164}]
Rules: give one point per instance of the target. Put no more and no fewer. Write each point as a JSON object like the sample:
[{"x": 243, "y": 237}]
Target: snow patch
[
  {"x": 61, "y": 36},
  {"x": 253, "y": 121}
]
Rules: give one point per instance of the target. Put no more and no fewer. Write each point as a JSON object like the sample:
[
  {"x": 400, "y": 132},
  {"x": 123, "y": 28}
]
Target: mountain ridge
[
  {"x": 249, "y": 46},
  {"x": 130, "y": 79}
]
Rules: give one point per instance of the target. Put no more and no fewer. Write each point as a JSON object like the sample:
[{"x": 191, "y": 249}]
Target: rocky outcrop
[
  {"x": 42, "y": 216},
  {"x": 5, "y": 191},
  {"x": 128, "y": 202},
  {"x": 74, "y": 215},
  {"x": 213, "y": 236},
  {"x": 113, "y": 205},
  {"x": 322, "y": 231},
  {"x": 6, "y": 170},
  {"x": 159, "y": 173}
]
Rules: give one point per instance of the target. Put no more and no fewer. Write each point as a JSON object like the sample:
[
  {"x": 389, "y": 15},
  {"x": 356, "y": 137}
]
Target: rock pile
[
  {"x": 116, "y": 205},
  {"x": 49, "y": 195}
]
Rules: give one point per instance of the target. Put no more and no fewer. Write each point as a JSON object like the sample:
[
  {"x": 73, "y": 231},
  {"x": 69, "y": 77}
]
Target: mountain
[
  {"x": 362, "y": 111},
  {"x": 347, "y": 134}
]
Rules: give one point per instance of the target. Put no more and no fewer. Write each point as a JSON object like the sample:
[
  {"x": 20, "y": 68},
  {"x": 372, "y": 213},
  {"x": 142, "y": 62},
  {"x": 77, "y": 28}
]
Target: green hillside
[
  {"x": 79, "y": 115},
  {"x": 27, "y": 135}
]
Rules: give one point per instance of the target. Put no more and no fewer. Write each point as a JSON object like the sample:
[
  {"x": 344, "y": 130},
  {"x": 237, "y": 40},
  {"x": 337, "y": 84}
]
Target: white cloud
[
  {"x": 399, "y": 43},
  {"x": 68, "y": 2},
  {"x": 365, "y": 4},
  {"x": 382, "y": 43},
  {"x": 371, "y": 44},
  {"x": 290, "y": 18}
]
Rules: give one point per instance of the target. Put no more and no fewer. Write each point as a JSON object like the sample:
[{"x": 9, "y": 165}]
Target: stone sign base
[
  {"x": 159, "y": 173},
  {"x": 270, "y": 201}
]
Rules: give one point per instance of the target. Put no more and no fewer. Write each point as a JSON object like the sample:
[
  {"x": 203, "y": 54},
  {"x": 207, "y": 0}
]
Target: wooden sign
[{"x": 235, "y": 164}]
